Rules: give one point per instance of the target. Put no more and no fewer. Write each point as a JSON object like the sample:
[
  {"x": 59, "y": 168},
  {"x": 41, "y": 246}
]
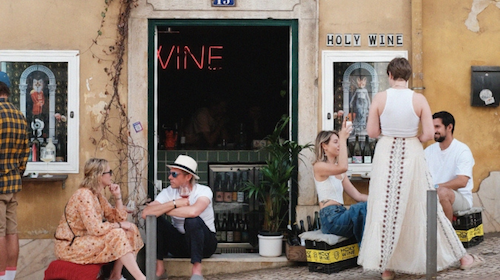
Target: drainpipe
[{"x": 416, "y": 46}]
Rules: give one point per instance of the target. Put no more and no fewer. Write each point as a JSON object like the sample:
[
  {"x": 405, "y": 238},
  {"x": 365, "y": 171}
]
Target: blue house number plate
[{"x": 223, "y": 3}]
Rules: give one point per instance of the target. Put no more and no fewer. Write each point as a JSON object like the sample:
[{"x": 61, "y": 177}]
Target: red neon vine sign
[{"x": 180, "y": 56}]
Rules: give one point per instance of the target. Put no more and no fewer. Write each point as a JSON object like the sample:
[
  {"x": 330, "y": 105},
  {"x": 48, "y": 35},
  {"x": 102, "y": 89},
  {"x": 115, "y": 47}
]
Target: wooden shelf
[{"x": 41, "y": 179}]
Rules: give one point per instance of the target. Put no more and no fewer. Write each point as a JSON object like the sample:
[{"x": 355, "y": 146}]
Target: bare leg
[
  {"x": 9, "y": 244},
  {"x": 446, "y": 198},
  {"x": 128, "y": 260},
  {"x": 160, "y": 268},
  {"x": 116, "y": 273},
  {"x": 196, "y": 268}
]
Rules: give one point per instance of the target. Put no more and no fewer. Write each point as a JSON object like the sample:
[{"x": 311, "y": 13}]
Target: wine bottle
[
  {"x": 219, "y": 194},
  {"x": 234, "y": 185},
  {"x": 237, "y": 229},
  {"x": 241, "y": 193},
  {"x": 42, "y": 149},
  {"x": 349, "y": 154},
  {"x": 367, "y": 151},
  {"x": 317, "y": 223},
  {"x": 228, "y": 192},
  {"x": 357, "y": 156},
  {"x": 309, "y": 224},
  {"x": 223, "y": 232},
  {"x": 230, "y": 228},
  {"x": 244, "y": 229},
  {"x": 302, "y": 228},
  {"x": 36, "y": 150},
  {"x": 217, "y": 227}
]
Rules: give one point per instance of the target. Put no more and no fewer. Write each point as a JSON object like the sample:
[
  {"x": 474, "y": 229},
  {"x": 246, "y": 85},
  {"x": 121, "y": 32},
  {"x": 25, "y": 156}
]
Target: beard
[{"x": 439, "y": 138}]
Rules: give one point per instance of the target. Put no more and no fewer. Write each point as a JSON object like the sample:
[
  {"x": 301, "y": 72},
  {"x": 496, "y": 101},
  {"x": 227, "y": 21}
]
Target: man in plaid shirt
[{"x": 14, "y": 152}]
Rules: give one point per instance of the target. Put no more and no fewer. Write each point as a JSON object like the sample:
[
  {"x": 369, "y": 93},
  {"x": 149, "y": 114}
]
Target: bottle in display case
[
  {"x": 367, "y": 151},
  {"x": 228, "y": 193},
  {"x": 219, "y": 193},
  {"x": 223, "y": 232},
  {"x": 357, "y": 156}
]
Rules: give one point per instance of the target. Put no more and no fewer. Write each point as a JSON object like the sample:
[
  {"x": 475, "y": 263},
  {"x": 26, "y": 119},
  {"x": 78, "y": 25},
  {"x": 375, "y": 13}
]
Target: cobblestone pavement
[{"x": 489, "y": 249}]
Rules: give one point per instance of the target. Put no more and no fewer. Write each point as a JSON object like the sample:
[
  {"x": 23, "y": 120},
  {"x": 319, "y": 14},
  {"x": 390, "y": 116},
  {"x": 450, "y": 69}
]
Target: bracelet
[
  {"x": 120, "y": 198},
  {"x": 119, "y": 224},
  {"x": 175, "y": 205}
]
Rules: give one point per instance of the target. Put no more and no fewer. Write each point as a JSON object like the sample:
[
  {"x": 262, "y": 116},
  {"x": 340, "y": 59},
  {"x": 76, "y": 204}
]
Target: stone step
[{"x": 225, "y": 263}]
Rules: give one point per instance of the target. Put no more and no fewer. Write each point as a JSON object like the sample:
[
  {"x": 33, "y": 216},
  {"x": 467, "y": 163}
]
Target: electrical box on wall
[{"x": 485, "y": 86}]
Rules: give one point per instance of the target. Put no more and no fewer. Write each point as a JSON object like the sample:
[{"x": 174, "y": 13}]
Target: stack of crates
[
  {"x": 325, "y": 258},
  {"x": 469, "y": 227}
]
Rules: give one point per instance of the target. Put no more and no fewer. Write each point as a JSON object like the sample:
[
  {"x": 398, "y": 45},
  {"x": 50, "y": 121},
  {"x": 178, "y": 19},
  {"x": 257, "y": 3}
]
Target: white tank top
[
  {"x": 399, "y": 118},
  {"x": 330, "y": 188}
]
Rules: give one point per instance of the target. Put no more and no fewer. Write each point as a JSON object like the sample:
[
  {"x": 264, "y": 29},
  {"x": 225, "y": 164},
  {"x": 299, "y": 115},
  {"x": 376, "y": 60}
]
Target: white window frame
[
  {"x": 73, "y": 59},
  {"x": 328, "y": 58}
]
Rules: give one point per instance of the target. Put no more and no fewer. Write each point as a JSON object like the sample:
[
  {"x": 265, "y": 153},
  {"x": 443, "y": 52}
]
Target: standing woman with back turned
[{"x": 396, "y": 224}]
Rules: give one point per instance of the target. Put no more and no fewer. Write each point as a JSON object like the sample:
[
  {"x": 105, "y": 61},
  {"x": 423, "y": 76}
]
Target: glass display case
[
  {"x": 350, "y": 81},
  {"x": 238, "y": 217},
  {"x": 45, "y": 88}
]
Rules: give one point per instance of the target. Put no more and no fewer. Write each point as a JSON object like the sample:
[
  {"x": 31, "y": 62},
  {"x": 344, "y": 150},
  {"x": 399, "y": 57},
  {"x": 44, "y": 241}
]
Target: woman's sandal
[
  {"x": 476, "y": 261},
  {"x": 390, "y": 276}
]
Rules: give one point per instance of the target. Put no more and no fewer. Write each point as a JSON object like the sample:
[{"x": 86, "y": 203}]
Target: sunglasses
[
  {"x": 109, "y": 172},
  {"x": 174, "y": 174}
]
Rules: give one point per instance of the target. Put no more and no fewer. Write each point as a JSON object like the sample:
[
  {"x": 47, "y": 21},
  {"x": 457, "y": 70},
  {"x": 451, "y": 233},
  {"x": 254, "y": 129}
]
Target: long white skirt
[{"x": 396, "y": 224}]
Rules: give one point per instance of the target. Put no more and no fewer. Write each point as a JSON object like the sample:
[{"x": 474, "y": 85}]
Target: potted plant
[{"x": 273, "y": 190}]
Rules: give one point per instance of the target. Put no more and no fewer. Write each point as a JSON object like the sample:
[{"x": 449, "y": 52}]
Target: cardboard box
[
  {"x": 469, "y": 229},
  {"x": 325, "y": 258}
]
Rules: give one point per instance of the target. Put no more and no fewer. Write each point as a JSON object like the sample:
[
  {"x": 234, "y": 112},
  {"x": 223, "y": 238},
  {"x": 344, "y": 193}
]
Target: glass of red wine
[{"x": 184, "y": 191}]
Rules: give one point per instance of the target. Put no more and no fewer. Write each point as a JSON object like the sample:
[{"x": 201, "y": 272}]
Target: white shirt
[
  {"x": 330, "y": 188},
  {"x": 207, "y": 215},
  {"x": 399, "y": 118},
  {"x": 445, "y": 165}
]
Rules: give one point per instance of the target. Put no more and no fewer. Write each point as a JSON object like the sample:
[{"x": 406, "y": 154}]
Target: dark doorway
[{"x": 246, "y": 66}]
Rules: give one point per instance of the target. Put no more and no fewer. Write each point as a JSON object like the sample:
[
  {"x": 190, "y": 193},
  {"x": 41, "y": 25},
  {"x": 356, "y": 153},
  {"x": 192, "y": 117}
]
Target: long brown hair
[
  {"x": 323, "y": 137},
  {"x": 93, "y": 170}
]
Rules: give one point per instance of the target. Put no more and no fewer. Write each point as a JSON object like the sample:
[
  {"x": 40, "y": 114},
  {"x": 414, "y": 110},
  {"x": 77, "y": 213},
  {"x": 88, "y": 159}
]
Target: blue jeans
[{"x": 338, "y": 220}]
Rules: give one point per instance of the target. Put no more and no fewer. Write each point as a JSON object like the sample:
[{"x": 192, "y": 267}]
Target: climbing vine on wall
[{"x": 114, "y": 127}]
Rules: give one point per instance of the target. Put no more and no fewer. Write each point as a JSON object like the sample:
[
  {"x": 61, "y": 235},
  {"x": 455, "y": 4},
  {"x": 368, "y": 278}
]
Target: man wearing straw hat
[{"x": 189, "y": 204}]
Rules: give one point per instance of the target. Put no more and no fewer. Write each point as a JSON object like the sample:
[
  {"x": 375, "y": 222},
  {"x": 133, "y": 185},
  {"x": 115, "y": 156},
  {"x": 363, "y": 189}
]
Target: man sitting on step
[{"x": 189, "y": 204}]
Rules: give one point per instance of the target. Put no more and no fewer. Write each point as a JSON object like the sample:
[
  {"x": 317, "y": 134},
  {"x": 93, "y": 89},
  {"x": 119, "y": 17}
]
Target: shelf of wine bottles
[
  {"x": 237, "y": 215},
  {"x": 361, "y": 150}
]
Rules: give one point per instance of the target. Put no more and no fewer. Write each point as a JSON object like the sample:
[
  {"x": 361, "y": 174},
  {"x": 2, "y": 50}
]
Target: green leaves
[{"x": 273, "y": 190}]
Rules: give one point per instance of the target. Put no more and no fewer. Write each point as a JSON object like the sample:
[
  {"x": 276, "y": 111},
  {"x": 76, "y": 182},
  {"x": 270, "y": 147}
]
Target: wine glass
[
  {"x": 46, "y": 159},
  {"x": 184, "y": 191}
]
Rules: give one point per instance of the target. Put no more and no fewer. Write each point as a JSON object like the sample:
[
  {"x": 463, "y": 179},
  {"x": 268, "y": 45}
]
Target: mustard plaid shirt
[{"x": 14, "y": 147}]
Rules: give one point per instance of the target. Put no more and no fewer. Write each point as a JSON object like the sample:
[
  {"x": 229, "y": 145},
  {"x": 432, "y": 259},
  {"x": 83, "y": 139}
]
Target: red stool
[{"x": 63, "y": 270}]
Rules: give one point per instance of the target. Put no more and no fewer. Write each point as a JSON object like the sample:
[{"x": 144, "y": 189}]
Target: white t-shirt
[
  {"x": 207, "y": 215},
  {"x": 330, "y": 188},
  {"x": 445, "y": 165}
]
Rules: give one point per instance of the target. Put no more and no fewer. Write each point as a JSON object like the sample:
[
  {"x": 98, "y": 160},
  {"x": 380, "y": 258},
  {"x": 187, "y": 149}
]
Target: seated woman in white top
[{"x": 331, "y": 181}]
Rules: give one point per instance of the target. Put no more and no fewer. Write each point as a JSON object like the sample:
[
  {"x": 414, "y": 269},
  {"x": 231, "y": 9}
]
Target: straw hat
[{"x": 185, "y": 163}]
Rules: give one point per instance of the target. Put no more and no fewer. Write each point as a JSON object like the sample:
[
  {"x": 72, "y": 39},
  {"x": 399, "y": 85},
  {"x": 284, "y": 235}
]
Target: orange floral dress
[{"x": 96, "y": 240}]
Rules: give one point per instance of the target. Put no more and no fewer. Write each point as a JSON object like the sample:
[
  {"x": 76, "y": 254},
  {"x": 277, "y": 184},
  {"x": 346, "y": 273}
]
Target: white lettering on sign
[
  {"x": 374, "y": 39},
  {"x": 329, "y": 40}
]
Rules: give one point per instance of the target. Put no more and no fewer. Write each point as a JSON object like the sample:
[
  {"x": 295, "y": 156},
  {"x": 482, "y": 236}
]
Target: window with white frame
[{"x": 45, "y": 87}]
